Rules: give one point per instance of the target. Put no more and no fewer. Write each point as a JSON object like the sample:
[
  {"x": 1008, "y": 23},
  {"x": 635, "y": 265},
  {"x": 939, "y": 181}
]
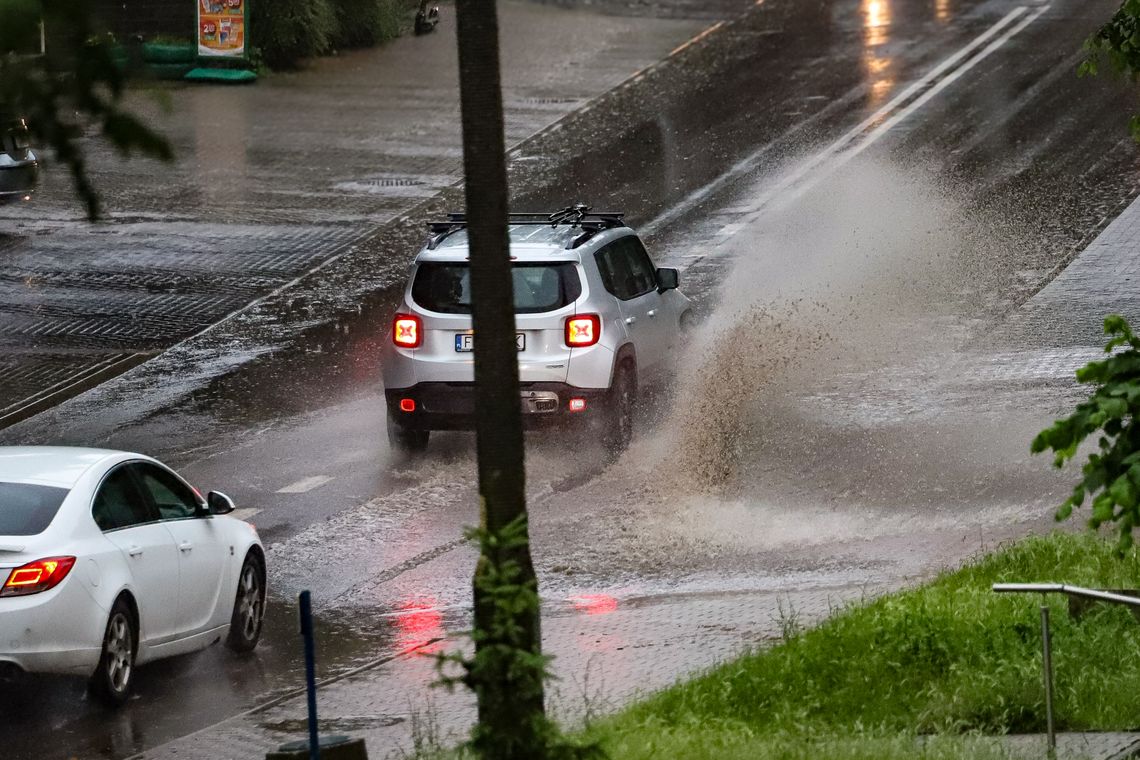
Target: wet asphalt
[{"x": 827, "y": 429}]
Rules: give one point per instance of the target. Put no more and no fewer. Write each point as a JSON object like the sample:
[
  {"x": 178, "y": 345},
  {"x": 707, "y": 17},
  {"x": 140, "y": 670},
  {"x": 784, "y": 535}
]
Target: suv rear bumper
[{"x": 451, "y": 406}]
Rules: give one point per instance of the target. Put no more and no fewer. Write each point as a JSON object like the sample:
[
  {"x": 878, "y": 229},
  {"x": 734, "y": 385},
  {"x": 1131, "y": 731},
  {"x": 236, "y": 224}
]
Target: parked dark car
[{"x": 19, "y": 166}]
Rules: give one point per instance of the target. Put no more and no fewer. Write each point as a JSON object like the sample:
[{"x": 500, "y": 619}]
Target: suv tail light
[
  {"x": 583, "y": 330},
  {"x": 407, "y": 331},
  {"x": 34, "y": 577}
]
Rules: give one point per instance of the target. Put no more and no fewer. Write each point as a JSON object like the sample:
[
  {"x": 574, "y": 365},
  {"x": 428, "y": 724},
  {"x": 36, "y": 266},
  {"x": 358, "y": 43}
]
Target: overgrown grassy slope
[{"x": 949, "y": 658}]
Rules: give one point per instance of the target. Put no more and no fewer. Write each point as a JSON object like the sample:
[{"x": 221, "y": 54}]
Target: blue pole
[{"x": 305, "y": 609}]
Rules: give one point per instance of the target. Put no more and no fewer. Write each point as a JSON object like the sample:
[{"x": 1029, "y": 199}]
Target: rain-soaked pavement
[
  {"x": 863, "y": 196},
  {"x": 270, "y": 182}
]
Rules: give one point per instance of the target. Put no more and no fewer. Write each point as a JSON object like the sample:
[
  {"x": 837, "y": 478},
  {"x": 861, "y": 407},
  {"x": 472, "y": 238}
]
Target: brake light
[
  {"x": 407, "y": 405},
  {"x": 577, "y": 405},
  {"x": 407, "y": 331},
  {"x": 34, "y": 577},
  {"x": 583, "y": 330}
]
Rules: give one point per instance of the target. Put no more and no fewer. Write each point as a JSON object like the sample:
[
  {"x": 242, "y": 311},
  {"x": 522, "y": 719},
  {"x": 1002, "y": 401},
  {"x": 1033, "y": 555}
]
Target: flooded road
[{"x": 849, "y": 415}]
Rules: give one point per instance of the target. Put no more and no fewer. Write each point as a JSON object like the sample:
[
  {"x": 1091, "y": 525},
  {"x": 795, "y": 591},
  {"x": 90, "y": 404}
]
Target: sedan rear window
[
  {"x": 27, "y": 510},
  {"x": 446, "y": 287}
]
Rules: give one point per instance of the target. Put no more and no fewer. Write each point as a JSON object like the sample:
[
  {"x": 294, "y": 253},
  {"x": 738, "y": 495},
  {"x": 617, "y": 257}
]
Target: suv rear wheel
[
  {"x": 406, "y": 440},
  {"x": 619, "y": 421}
]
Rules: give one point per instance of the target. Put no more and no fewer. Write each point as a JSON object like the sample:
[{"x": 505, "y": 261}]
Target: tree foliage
[
  {"x": 1111, "y": 476},
  {"x": 289, "y": 31},
  {"x": 76, "y": 83},
  {"x": 1118, "y": 43}
]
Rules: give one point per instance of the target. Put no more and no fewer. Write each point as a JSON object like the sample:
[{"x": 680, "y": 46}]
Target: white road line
[
  {"x": 749, "y": 163},
  {"x": 306, "y": 484},
  {"x": 883, "y": 113},
  {"x": 245, "y": 514},
  {"x": 892, "y": 122}
]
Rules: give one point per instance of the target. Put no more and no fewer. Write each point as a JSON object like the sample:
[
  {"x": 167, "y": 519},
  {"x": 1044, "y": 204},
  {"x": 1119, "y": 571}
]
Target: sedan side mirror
[
  {"x": 219, "y": 503},
  {"x": 666, "y": 279}
]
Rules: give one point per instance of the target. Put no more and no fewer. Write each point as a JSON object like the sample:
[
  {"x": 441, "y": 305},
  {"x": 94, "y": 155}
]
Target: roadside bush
[
  {"x": 19, "y": 26},
  {"x": 362, "y": 23},
  {"x": 289, "y": 31}
]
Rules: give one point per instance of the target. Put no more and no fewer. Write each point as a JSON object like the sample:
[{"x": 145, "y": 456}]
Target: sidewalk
[
  {"x": 606, "y": 653},
  {"x": 1087, "y": 746}
]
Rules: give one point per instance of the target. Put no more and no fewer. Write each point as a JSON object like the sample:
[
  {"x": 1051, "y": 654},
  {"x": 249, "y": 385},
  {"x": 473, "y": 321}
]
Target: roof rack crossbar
[{"x": 580, "y": 215}]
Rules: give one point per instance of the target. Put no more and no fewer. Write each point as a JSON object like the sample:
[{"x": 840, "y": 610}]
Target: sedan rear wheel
[
  {"x": 111, "y": 682},
  {"x": 249, "y": 607}
]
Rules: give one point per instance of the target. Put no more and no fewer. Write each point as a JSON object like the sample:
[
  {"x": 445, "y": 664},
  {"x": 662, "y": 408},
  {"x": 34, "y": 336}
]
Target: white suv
[{"x": 594, "y": 318}]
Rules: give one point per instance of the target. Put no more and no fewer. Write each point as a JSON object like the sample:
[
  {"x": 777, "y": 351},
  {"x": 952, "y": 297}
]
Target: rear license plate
[{"x": 465, "y": 342}]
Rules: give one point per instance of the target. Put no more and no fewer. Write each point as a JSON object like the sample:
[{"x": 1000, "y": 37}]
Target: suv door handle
[
  {"x": 185, "y": 547},
  {"x": 134, "y": 551},
  {"x": 630, "y": 320}
]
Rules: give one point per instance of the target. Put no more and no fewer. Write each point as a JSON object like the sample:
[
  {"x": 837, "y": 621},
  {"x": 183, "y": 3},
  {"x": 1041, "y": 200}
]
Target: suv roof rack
[{"x": 579, "y": 215}]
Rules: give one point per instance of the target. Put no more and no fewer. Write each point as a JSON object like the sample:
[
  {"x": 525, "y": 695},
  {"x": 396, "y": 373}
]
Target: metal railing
[{"x": 1046, "y": 639}]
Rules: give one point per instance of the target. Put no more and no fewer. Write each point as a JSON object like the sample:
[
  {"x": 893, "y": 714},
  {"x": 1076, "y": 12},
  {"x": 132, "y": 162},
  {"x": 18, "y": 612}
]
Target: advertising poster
[{"x": 221, "y": 28}]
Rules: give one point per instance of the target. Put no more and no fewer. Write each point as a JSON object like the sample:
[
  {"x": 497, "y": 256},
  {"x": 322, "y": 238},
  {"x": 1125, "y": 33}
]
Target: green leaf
[{"x": 1123, "y": 491}]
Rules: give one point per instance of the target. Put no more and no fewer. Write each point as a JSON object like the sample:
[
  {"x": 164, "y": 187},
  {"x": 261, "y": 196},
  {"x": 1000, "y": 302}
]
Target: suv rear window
[
  {"x": 446, "y": 287},
  {"x": 27, "y": 510}
]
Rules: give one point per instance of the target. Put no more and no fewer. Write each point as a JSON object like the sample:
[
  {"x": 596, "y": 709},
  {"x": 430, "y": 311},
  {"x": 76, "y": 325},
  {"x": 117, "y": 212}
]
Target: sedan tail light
[
  {"x": 407, "y": 331},
  {"x": 583, "y": 330},
  {"x": 34, "y": 577}
]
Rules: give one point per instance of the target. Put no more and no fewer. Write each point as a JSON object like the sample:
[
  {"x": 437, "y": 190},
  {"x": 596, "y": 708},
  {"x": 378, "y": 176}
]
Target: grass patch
[{"x": 950, "y": 659}]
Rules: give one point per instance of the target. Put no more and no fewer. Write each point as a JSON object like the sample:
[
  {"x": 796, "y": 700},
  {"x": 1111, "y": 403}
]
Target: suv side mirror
[
  {"x": 666, "y": 279},
  {"x": 219, "y": 503}
]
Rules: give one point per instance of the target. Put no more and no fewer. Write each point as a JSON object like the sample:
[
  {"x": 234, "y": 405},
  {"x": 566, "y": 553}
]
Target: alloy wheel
[
  {"x": 120, "y": 652},
  {"x": 249, "y": 608}
]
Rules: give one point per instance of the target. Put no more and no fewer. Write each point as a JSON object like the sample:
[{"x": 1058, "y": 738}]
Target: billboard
[{"x": 222, "y": 28}]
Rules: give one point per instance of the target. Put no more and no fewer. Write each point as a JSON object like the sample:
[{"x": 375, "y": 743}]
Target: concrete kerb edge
[
  {"x": 405, "y": 218},
  {"x": 1129, "y": 752},
  {"x": 1076, "y": 249}
]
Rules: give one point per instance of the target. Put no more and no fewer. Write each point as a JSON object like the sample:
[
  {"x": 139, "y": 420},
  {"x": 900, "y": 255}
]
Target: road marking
[
  {"x": 877, "y": 119},
  {"x": 880, "y": 117},
  {"x": 881, "y": 130},
  {"x": 306, "y": 484},
  {"x": 245, "y": 514}
]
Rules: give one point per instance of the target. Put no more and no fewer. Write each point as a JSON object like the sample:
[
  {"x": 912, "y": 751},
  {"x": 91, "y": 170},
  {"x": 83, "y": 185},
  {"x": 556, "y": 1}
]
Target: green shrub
[
  {"x": 362, "y": 23},
  {"x": 19, "y": 26},
  {"x": 289, "y": 31}
]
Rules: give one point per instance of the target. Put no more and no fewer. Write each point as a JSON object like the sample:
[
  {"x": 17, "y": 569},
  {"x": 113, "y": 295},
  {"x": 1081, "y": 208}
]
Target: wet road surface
[
  {"x": 270, "y": 182},
  {"x": 850, "y": 413}
]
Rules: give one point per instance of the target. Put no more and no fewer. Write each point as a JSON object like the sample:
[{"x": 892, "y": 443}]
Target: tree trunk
[{"x": 510, "y": 708}]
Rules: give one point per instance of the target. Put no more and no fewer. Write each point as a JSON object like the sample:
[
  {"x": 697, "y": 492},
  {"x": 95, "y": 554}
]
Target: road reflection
[
  {"x": 878, "y": 65},
  {"x": 418, "y": 625},
  {"x": 594, "y": 604},
  {"x": 943, "y": 11}
]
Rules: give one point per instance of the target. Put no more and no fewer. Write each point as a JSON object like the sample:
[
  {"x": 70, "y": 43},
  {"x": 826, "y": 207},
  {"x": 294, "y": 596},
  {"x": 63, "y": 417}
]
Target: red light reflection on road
[
  {"x": 594, "y": 604},
  {"x": 417, "y": 622}
]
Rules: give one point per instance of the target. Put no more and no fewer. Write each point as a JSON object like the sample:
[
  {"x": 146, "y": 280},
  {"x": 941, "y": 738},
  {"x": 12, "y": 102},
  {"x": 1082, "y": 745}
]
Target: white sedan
[{"x": 110, "y": 559}]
